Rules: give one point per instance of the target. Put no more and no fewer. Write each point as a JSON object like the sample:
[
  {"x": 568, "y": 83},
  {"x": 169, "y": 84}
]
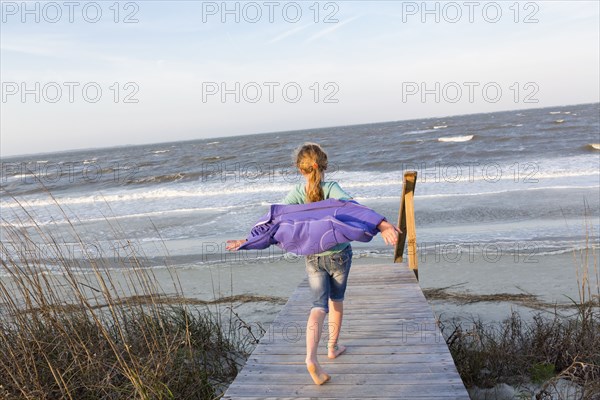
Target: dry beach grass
[
  {"x": 73, "y": 335},
  {"x": 560, "y": 342}
]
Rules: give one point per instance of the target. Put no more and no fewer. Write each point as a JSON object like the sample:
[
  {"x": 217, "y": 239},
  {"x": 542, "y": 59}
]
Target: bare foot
[
  {"x": 334, "y": 351},
  {"x": 317, "y": 373}
]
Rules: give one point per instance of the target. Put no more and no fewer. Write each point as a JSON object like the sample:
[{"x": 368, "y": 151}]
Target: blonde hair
[{"x": 312, "y": 161}]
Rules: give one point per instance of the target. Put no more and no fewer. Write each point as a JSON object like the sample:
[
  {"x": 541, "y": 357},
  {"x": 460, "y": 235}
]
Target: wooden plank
[
  {"x": 352, "y": 349},
  {"x": 356, "y": 378},
  {"x": 311, "y": 390},
  {"x": 443, "y": 396},
  {"x": 405, "y": 316},
  {"x": 362, "y": 314},
  {"x": 390, "y": 294},
  {"x": 407, "y": 338},
  {"x": 448, "y": 397},
  {"x": 356, "y": 358},
  {"x": 382, "y": 304},
  {"x": 394, "y": 346},
  {"x": 349, "y": 379},
  {"x": 393, "y": 370}
]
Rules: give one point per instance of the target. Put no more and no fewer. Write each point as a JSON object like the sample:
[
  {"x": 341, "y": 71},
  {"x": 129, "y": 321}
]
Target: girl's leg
[
  {"x": 336, "y": 313},
  {"x": 313, "y": 336},
  {"x": 340, "y": 269}
]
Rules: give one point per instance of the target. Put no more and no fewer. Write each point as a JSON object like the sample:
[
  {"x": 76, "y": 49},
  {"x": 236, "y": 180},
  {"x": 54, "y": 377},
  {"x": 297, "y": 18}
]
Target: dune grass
[
  {"x": 560, "y": 342},
  {"x": 84, "y": 331},
  {"x": 517, "y": 352}
]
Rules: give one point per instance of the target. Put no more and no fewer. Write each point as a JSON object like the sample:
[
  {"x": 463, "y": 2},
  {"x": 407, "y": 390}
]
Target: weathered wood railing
[{"x": 406, "y": 223}]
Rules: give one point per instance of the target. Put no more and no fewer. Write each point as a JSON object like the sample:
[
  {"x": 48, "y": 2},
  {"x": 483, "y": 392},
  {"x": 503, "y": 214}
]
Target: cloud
[
  {"x": 36, "y": 45},
  {"x": 65, "y": 49},
  {"x": 331, "y": 29},
  {"x": 288, "y": 33}
]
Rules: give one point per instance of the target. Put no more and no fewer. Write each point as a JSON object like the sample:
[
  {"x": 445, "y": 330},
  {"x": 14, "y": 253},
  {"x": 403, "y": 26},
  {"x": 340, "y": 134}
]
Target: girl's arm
[
  {"x": 233, "y": 245},
  {"x": 389, "y": 232}
]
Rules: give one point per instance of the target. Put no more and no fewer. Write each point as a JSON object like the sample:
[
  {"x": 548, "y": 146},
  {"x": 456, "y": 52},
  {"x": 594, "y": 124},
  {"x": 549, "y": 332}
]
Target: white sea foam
[
  {"x": 418, "y": 132},
  {"x": 154, "y": 194},
  {"x": 562, "y": 251},
  {"x": 258, "y": 189},
  {"x": 464, "y": 138},
  {"x": 384, "y": 189},
  {"x": 440, "y": 126},
  {"x": 148, "y": 214},
  {"x": 524, "y": 189},
  {"x": 160, "y": 151}
]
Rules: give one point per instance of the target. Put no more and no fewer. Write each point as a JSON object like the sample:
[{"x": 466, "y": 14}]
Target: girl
[{"x": 327, "y": 271}]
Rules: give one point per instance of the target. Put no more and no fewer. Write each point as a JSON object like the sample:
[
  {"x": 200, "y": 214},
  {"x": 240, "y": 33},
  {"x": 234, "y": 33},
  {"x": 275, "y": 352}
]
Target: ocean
[{"x": 507, "y": 193}]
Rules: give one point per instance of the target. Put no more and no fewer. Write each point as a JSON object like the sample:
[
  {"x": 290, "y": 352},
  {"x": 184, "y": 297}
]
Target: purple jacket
[{"x": 314, "y": 227}]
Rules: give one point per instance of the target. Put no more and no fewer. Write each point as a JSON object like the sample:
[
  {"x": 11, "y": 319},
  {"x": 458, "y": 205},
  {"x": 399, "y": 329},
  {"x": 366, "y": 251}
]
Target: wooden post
[{"x": 406, "y": 223}]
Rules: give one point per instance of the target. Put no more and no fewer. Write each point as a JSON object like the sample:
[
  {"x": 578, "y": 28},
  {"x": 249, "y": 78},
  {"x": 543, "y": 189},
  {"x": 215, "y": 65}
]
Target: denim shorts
[{"x": 328, "y": 276}]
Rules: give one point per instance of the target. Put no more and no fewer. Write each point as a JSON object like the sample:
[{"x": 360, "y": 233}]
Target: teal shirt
[{"x": 331, "y": 189}]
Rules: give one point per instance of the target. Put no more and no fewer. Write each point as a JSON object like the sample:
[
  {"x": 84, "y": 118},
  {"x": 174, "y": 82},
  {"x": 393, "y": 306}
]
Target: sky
[{"x": 99, "y": 74}]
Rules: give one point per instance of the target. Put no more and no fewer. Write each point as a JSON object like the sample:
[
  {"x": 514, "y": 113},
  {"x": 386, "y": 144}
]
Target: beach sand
[
  {"x": 551, "y": 278},
  {"x": 265, "y": 284}
]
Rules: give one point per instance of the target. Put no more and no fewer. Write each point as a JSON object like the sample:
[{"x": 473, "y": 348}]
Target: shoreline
[{"x": 465, "y": 290}]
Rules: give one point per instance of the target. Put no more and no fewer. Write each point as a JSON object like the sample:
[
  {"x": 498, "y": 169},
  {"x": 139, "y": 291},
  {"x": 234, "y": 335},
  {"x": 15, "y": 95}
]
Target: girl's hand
[
  {"x": 389, "y": 232},
  {"x": 233, "y": 245}
]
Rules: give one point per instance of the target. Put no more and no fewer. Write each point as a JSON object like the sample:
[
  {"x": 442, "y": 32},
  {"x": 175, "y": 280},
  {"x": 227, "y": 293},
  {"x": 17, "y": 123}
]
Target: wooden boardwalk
[{"x": 394, "y": 348}]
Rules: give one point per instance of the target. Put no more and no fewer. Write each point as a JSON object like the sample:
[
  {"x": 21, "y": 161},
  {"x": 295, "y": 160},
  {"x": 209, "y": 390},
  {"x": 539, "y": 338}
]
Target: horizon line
[{"x": 74, "y": 150}]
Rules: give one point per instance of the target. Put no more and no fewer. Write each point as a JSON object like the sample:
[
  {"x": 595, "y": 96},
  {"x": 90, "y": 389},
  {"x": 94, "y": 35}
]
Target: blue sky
[{"x": 370, "y": 60}]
